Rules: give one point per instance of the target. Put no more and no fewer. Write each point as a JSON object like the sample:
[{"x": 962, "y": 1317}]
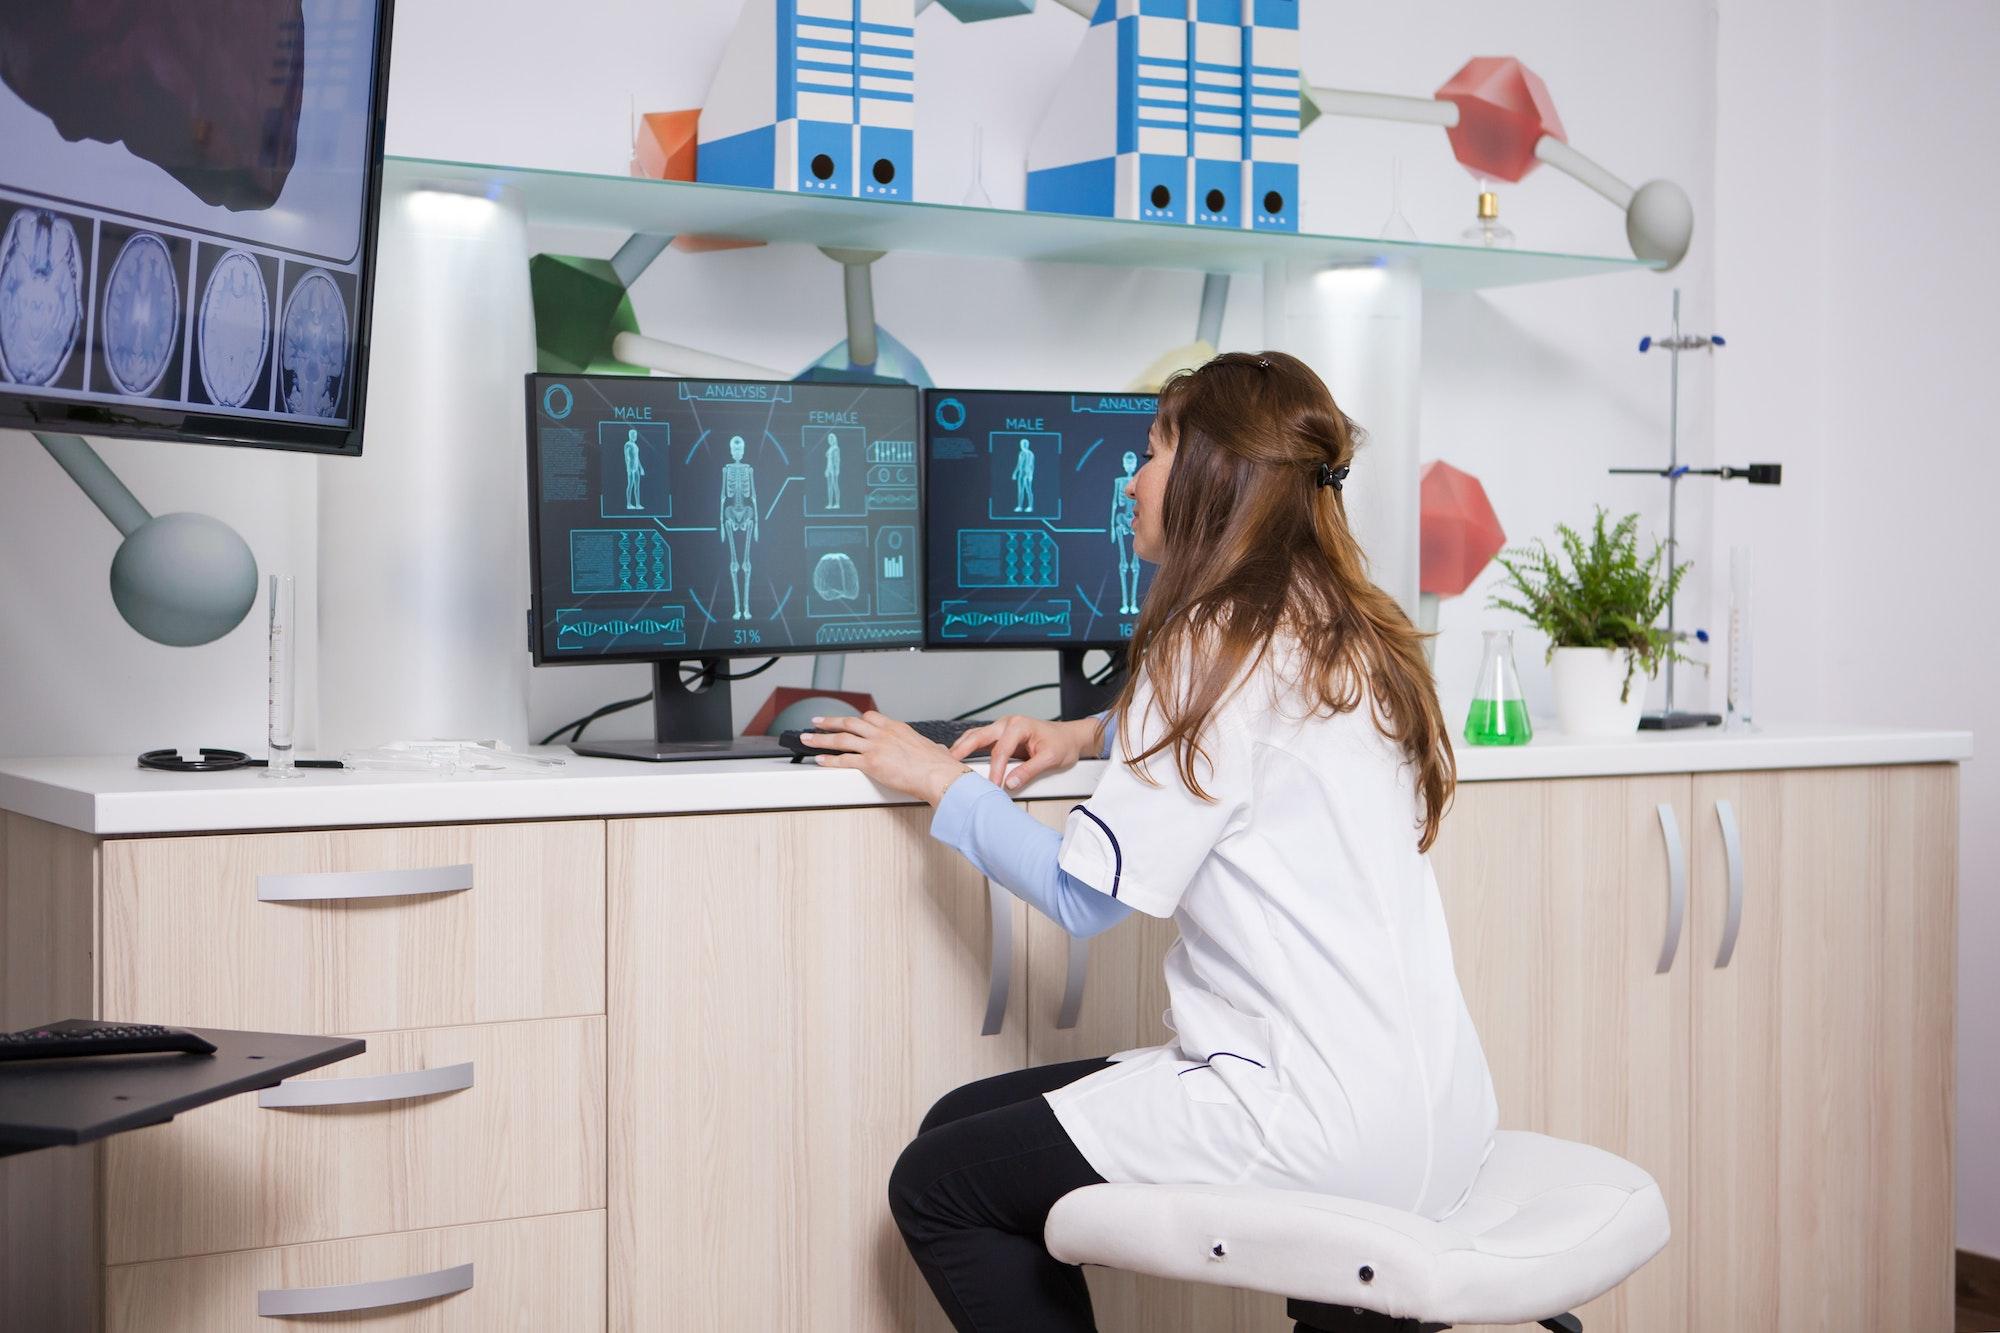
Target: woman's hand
[
  {"x": 1042, "y": 747},
  {"x": 889, "y": 752}
]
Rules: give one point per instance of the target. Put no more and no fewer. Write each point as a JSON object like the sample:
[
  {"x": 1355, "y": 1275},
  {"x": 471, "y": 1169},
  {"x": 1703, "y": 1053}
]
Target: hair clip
[
  {"x": 1263, "y": 363},
  {"x": 1329, "y": 475}
]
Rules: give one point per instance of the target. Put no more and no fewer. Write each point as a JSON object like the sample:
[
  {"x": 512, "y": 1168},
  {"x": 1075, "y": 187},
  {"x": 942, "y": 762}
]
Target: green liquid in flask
[{"x": 1498, "y": 722}]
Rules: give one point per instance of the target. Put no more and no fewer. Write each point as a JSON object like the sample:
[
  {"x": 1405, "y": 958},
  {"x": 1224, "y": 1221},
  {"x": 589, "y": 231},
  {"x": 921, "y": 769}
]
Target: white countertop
[{"x": 112, "y": 796}]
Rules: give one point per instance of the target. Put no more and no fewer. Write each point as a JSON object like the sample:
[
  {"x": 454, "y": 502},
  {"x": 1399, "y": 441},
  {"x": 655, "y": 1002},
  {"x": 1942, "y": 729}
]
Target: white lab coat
[{"x": 1321, "y": 1041}]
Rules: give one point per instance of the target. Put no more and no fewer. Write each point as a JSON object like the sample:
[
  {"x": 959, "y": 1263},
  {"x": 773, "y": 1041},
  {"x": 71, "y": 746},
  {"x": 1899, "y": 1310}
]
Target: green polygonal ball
[{"x": 580, "y": 305}]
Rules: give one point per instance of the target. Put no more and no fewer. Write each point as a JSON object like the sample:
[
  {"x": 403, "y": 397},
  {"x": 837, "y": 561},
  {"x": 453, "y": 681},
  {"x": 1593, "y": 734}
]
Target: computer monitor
[
  {"x": 188, "y": 199},
  {"x": 1029, "y": 528},
  {"x": 685, "y": 520}
]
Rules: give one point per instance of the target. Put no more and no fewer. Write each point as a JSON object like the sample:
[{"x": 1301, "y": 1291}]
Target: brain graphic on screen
[
  {"x": 41, "y": 296},
  {"x": 312, "y": 352},
  {"x": 142, "y": 313}
]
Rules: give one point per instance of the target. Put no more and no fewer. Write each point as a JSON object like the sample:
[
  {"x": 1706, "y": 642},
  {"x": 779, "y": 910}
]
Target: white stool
[{"x": 1549, "y": 1225}]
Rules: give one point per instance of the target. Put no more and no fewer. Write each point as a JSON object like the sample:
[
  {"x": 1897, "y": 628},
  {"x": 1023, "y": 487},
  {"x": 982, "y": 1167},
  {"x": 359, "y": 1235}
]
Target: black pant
[{"x": 972, "y": 1192}]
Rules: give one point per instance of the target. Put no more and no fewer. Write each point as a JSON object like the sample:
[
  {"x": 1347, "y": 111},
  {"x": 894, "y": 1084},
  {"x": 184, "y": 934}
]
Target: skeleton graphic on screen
[
  {"x": 739, "y": 524},
  {"x": 1123, "y": 506},
  {"x": 832, "y": 471},
  {"x": 634, "y": 470},
  {"x": 1024, "y": 480}
]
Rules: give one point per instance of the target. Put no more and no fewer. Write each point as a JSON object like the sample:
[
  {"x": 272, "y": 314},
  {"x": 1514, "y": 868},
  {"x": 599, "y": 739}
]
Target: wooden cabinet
[
  {"x": 530, "y": 1275},
  {"x": 789, "y": 994},
  {"x": 722, "y": 1029},
  {"x": 1822, "y": 1128},
  {"x": 1794, "y": 1105}
]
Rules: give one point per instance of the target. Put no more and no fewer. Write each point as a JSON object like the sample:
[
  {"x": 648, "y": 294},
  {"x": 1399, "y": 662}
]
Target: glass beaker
[{"x": 1499, "y": 714}]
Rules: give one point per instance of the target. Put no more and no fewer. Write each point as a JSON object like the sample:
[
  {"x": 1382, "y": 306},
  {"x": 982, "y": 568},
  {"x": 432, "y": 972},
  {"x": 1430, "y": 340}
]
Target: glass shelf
[{"x": 638, "y": 204}]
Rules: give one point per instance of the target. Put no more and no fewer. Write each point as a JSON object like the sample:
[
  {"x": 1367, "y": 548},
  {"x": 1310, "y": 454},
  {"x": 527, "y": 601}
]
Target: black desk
[{"x": 48, "y": 1102}]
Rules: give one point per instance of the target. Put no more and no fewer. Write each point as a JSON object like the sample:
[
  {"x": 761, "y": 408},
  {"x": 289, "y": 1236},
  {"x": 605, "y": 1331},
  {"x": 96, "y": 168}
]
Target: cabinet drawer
[
  {"x": 536, "y": 1275},
  {"x": 517, "y": 1130},
  {"x": 356, "y": 930}
]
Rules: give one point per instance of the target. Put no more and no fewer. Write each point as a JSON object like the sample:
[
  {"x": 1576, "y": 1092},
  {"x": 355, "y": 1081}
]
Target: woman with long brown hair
[{"x": 1281, "y": 765}]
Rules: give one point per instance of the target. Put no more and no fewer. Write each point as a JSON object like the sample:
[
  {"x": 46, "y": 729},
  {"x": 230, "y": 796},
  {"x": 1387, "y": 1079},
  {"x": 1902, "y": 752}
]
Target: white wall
[
  {"x": 1536, "y": 389},
  {"x": 1856, "y": 265}
]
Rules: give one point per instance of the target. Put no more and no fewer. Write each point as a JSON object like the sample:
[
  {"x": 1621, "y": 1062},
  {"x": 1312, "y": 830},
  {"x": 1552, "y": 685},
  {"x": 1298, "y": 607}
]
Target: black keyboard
[
  {"x": 943, "y": 731},
  {"x": 84, "y": 1036}
]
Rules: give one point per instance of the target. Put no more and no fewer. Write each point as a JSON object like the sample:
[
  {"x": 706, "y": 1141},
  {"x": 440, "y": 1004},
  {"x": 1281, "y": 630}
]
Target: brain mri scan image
[
  {"x": 41, "y": 296},
  {"x": 142, "y": 313},
  {"x": 312, "y": 351},
  {"x": 234, "y": 329}
]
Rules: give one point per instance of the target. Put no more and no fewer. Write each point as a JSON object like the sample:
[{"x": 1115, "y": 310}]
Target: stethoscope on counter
[{"x": 219, "y": 761}]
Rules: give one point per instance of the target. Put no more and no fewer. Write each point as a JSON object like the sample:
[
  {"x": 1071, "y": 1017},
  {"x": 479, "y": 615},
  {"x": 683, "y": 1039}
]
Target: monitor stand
[
  {"x": 689, "y": 722},
  {"x": 1080, "y": 698}
]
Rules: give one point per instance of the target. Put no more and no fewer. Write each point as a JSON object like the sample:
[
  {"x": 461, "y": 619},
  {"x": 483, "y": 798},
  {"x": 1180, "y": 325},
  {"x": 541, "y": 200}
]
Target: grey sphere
[
  {"x": 799, "y": 715},
  {"x": 184, "y": 579},
  {"x": 1659, "y": 222}
]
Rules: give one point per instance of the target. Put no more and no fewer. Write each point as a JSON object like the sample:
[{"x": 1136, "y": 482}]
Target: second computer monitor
[{"x": 1029, "y": 527}]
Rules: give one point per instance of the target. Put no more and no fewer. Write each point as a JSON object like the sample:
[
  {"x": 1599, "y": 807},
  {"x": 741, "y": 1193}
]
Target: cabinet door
[
  {"x": 1122, "y": 1005},
  {"x": 1559, "y": 898},
  {"x": 1823, "y": 1050},
  {"x": 788, "y": 994}
]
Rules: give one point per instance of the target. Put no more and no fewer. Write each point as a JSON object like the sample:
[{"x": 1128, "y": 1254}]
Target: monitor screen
[
  {"x": 187, "y": 214},
  {"x": 1030, "y": 530},
  {"x": 699, "y": 518}
]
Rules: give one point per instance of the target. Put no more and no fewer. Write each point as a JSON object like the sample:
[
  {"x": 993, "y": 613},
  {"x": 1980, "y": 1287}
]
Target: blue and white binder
[
  {"x": 781, "y": 112},
  {"x": 1271, "y": 122},
  {"x": 1114, "y": 141},
  {"x": 885, "y": 47},
  {"x": 1216, "y": 72}
]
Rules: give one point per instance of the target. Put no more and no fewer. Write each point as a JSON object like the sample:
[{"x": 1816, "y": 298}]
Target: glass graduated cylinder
[{"x": 1499, "y": 715}]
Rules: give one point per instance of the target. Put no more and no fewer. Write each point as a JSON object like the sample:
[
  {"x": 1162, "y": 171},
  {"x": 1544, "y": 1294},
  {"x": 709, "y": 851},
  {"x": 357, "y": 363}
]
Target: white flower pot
[{"x": 1587, "y": 682}]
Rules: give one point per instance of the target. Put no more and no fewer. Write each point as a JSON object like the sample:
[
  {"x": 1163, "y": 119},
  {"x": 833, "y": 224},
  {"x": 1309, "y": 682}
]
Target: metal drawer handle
[
  {"x": 279, "y": 1302},
  {"x": 321, "y": 885},
  {"x": 1079, "y": 971},
  {"x": 1000, "y": 960},
  {"x": 369, "y": 1088},
  {"x": 1732, "y": 847},
  {"x": 1677, "y": 886}
]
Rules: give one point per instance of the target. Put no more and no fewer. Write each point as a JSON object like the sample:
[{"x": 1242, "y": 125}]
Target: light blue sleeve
[{"x": 1017, "y": 851}]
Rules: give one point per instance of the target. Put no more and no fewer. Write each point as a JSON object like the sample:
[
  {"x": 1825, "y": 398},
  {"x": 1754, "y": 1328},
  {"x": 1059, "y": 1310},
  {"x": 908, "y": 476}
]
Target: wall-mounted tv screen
[{"x": 187, "y": 217}]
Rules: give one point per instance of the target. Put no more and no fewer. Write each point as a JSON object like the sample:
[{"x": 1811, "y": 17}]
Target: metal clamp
[
  {"x": 999, "y": 959},
  {"x": 280, "y": 1302},
  {"x": 1079, "y": 971},
  {"x": 322, "y": 885},
  {"x": 294, "y": 1092},
  {"x": 1677, "y": 886},
  {"x": 1732, "y": 848}
]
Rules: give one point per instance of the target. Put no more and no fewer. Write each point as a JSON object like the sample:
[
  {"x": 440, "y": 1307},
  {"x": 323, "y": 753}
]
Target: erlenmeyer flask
[{"x": 1499, "y": 714}]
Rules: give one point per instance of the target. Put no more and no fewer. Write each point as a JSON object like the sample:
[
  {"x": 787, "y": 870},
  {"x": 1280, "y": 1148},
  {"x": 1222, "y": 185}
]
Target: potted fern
[{"x": 1599, "y": 602}]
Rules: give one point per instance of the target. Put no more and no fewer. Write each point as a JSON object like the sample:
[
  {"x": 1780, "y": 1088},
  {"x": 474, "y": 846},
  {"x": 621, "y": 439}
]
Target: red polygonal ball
[
  {"x": 1503, "y": 110},
  {"x": 1460, "y": 533}
]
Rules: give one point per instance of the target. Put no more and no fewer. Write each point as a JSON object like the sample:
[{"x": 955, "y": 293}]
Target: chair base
[{"x": 1313, "y": 1317}]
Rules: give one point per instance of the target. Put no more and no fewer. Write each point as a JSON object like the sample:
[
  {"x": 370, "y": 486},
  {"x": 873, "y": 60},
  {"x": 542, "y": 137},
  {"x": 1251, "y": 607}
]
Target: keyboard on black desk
[
  {"x": 941, "y": 730},
  {"x": 84, "y": 1036}
]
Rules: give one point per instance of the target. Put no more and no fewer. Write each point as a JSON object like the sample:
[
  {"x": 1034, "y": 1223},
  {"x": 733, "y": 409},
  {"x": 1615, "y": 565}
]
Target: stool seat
[{"x": 1549, "y": 1224}]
